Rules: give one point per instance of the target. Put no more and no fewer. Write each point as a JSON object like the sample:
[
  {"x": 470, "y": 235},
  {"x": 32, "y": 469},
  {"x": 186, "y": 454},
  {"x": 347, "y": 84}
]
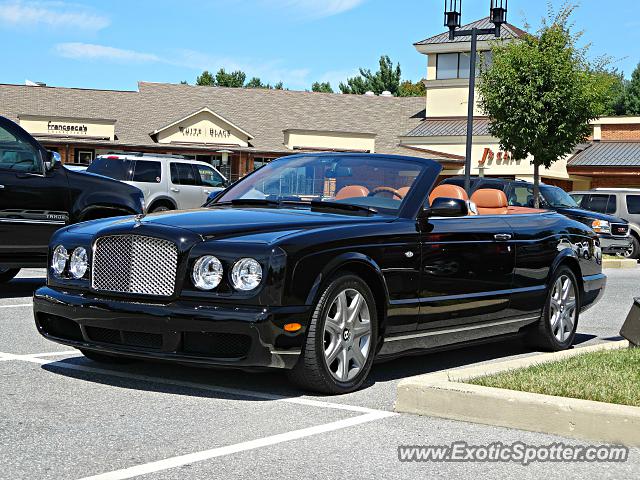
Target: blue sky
[{"x": 113, "y": 44}]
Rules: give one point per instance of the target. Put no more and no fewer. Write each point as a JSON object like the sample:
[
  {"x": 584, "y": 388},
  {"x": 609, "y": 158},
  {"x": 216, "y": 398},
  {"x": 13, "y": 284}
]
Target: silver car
[{"x": 169, "y": 182}]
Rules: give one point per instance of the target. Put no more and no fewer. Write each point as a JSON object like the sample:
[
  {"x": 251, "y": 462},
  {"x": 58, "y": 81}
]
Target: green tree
[
  {"x": 184, "y": 82},
  {"x": 278, "y": 86},
  {"x": 233, "y": 80},
  {"x": 206, "y": 79},
  {"x": 255, "y": 82},
  {"x": 617, "y": 93},
  {"x": 387, "y": 78},
  {"x": 321, "y": 87},
  {"x": 540, "y": 94},
  {"x": 632, "y": 94},
  {"x": 410, "y": 89}
]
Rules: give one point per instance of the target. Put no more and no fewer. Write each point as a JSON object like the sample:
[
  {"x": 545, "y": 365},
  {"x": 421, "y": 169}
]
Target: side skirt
[{"x": 434, "y": 339}]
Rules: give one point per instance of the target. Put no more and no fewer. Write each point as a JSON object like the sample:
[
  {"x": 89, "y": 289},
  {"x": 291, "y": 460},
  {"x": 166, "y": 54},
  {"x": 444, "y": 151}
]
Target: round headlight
[
  {"x": 207, "y": 273},
  {"x": 59, "y": 260},
  {"x": 246, "y": 274},
  {"x": 79, "y": 263}
]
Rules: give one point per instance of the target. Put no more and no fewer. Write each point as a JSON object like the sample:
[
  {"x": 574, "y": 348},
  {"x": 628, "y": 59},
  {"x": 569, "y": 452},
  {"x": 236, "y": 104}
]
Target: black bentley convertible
[{"x": 319, "y": 264}]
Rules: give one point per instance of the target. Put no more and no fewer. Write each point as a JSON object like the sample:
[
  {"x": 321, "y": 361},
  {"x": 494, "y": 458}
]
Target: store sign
[
  {"x": 199, "y": 132},
  {"x": 203, "y": 127},
  {"x": 501, "y": 158},
  {"x": 68, "y": 127}
]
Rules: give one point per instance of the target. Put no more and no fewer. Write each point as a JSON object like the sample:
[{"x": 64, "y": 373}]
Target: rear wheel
[
  {"x": 104, "y": 358},
  {"x": 557, "y": 328},
  {"x": 340, "y": 345},
  {"x": 8, "y": 274},
  {"x": 161, "y": 208}
]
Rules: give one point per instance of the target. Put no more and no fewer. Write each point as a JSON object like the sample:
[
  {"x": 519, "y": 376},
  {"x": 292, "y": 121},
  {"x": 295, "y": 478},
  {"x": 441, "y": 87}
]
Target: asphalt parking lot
[{"x": 65, "y": 417}]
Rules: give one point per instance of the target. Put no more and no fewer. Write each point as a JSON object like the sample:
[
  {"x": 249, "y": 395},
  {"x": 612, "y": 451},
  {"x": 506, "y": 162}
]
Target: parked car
[
  {"x": 621, "y": 202},
  {"x": 319, "y": 263},
  {"x": 39, "y": 196},
  {"x": 169, "y": 182},
  {"x": 613, "y": 231}
]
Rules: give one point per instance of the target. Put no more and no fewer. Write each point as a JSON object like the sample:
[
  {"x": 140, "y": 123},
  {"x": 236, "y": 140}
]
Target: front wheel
[
  {"x": 8, "y": 274},
  {"x": 557, "y": 328},
  {"x": 342, "y": 338},
  {"x": 634, "y": 251}
]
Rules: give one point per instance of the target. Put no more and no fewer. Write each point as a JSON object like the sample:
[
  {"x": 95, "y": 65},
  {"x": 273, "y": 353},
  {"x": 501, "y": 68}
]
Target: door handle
[
  {"x": 174, "y": 189},
  {"x": 502, "y": 237},
  {"x": 1, "y": 187},
  {"x": 207, "y": 192}
]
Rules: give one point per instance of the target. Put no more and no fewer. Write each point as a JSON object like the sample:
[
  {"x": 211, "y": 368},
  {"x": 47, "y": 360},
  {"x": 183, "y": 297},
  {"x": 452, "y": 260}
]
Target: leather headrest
[
  {"x": 448, "y": 191},
  {"x": 352, "y": 191},
  {"x": 490, "y": 198}
]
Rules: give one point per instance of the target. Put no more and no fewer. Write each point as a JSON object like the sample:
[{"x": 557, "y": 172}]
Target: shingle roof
[
  {"x": 264, "y": 113},
  {"x": 448, "y": 127},
  {"x": 608, "y": 154},
  {"x": 507, "y": 31}
]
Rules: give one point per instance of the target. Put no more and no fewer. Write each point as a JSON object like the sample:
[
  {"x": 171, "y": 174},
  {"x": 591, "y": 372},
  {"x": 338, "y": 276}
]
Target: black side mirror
[
  {"x": 447, "y": 207},
  {"x": 52, "y": 160}
]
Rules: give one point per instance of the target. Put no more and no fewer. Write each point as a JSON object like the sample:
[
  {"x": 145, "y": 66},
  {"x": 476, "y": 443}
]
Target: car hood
[
  {"x": 228, "y": 221},
  {"x": 582, "y": 214}
]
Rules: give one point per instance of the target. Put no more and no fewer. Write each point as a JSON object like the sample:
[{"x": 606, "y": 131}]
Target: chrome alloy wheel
[
  {"x": 347, "y": 335},
  {"x": 563, "y": 308}
]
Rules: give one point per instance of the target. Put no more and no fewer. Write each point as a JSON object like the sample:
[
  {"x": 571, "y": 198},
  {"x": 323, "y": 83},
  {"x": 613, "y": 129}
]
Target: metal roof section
[{"x": 608, "y": 154}]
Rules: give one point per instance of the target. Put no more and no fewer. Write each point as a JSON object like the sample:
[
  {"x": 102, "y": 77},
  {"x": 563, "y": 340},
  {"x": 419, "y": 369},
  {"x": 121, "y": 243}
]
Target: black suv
[
  {"x": 614, "y": 232},
  {"x": 38, "y": 196}
]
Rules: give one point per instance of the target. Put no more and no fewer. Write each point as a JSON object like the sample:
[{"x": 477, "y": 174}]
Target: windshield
[
  {"x": 556, "y": 197},
  {"x": 366, "y": 181}
]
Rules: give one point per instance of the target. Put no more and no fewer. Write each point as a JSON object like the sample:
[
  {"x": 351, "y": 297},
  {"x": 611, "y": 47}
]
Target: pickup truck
[
  {"x": 38, "y": 196},
  {"x": 613, "y": 232}
]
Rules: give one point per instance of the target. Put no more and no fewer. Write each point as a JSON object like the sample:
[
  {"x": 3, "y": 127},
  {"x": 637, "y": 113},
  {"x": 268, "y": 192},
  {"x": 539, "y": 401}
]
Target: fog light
[
  {"x": 59, "y": 260},
  {"x": 79, "y": 263},
  {"x": 292, "y": 327}
]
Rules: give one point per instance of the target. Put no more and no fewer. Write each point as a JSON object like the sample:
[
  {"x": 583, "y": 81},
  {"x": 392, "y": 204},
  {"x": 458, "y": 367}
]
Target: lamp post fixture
[{"x": 452, "y": 20}]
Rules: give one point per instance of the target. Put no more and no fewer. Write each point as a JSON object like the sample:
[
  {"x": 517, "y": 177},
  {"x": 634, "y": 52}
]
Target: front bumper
[
  {"x": 185, "y": 331},
  {"x": 611, "y": 244}
]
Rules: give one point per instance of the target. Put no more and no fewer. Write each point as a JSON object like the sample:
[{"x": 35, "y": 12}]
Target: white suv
[{"x": 169, "y": 182}]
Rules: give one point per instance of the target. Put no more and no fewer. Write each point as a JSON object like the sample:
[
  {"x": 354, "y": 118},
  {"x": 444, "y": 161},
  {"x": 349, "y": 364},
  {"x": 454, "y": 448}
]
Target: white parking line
[
  {"x": 368, "y": 415},
  {"x": 21, "y": 305},
  {"x": 173, "y": 462}
]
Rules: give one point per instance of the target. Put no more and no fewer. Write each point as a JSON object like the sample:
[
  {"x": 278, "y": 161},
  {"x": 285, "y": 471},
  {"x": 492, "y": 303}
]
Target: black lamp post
[{"x": 452, "y": 20}]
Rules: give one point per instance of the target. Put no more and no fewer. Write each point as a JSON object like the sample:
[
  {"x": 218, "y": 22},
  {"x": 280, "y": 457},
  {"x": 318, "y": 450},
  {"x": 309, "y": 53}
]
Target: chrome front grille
[
  {"x": 135, "y": 264},
  {"x": 620, "y": 229}
]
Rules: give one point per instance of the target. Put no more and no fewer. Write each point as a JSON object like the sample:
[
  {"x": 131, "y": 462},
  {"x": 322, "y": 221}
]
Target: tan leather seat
[
  {"x": 490, "y": 201},
  {"x": 403, "y": 191},
  {"x": 352, "y": 191},
  {"x": 448, "y": 191}
]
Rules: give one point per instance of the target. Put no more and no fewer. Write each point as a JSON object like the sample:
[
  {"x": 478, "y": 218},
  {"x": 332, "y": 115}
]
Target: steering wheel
[{"x": 393, "y": 191}]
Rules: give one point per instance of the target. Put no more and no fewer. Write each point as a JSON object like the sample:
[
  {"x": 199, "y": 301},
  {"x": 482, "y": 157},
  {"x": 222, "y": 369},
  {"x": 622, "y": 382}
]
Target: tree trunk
[{"x": 536, "y": 184}]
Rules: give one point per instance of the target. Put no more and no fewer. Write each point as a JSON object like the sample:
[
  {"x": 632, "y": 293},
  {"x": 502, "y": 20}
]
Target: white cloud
[
  {"x": 19, "y": 13},
  {"x": 318, "y": 8},
  {"x": 268, "y": 71},
  {"x": 89, "y": 51}
]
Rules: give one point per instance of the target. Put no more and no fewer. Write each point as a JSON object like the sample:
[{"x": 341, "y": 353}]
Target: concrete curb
[
  {"x": 619, "y": 263},
  {"x": 443, "y": 395}
]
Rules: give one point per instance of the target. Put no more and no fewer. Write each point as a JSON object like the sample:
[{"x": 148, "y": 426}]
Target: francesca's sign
[
  {"x": 68, "y": 127},
  {"x": 501, "y": 158}
]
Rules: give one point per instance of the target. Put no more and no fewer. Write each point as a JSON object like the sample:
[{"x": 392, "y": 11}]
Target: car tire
[
  {"x": 107, "y": 359},
  {"x": 8, "y": 274},
  {"x": 557, "y": 328},
  {"x": 634, "y": 252},
  {"x": 160, "y": 208},
  {"x": 349, "y": 341}
]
